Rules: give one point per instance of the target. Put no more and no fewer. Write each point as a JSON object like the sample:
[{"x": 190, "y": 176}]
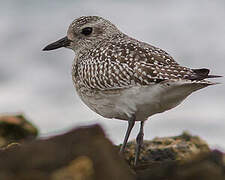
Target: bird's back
[{"x": 122, "y": 62}]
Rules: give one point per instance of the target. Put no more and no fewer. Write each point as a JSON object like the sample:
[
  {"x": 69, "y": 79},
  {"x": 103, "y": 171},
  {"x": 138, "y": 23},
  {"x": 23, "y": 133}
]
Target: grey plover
[{"x": 120, "y": 77}]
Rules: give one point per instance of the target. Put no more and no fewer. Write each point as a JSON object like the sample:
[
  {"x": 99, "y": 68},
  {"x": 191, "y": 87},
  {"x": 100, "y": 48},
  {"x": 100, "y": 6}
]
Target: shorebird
[{"x": 122, "y": 78}]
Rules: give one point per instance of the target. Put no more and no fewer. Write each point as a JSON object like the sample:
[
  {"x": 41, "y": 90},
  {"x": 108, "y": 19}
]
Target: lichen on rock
[{"x": 176, "y": 148}]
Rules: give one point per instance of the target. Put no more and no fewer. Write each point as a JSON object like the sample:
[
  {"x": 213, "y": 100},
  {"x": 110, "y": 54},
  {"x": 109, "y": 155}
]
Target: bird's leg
[
  {"x": 131, "y": 123},
  {"x": 139, "y": 141}
]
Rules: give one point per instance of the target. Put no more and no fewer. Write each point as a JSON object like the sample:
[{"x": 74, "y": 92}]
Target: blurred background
[{"x": 39, "y": 83}]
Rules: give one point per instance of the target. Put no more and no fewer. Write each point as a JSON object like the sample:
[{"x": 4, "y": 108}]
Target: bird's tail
[{"x": 200, "y": 74}]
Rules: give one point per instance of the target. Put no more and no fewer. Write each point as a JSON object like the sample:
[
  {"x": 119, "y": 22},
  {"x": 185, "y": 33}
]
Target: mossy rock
[
  {"x": 16, "y": 128},
  {"x": 177, "y": 148}
]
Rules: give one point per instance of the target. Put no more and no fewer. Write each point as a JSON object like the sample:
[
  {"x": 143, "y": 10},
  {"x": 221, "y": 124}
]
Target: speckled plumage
[
  {"x": 122, "y": 62},
  {"x": 120, "y": 77}
]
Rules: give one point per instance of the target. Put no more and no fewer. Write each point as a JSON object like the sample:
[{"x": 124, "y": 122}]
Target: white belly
[{"x": 141, "y": 101}]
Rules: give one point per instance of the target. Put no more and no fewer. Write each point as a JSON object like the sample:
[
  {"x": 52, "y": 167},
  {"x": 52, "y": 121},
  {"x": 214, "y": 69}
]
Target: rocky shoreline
[{"x": 84, "y": 153}]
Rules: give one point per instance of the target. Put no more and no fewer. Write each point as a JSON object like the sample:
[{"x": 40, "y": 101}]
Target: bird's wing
[{"x": 129, "y": 64}]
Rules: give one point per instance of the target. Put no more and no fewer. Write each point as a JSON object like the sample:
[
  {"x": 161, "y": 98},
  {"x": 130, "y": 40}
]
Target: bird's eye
[{"x": 86, "y": 31}]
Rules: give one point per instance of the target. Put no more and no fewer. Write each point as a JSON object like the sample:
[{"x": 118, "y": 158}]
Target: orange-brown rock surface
[{"x": 81, "y": 154}]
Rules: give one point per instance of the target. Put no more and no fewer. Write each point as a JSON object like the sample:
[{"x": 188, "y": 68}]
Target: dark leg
[
  {"x": 139, "y": 141},
  {"x": 130, "y": 126}
]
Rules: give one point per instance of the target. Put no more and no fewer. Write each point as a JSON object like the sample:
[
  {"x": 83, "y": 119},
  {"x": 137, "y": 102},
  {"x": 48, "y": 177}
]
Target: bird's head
[{"x": 85, "y": 32}]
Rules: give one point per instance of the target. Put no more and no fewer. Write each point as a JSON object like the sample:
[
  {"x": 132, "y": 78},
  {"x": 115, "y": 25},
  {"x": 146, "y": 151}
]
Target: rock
[
  {"x": 16, "y": 129},
  {"x": 81, "y": 154},
  {"x": 183, "y": 157},
  {"x": 206, "y": 166},
  {"x": 86, "y": 154},
  {"x": 177, "y": 148}
]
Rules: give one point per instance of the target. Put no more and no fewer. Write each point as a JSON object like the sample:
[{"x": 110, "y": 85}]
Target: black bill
[{"x": 64, "y": 42}]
